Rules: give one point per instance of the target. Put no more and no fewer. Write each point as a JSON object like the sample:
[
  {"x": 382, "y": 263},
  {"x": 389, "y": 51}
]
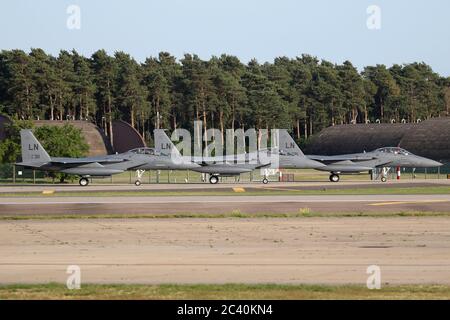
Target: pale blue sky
[{"x": 411, "y": 30}]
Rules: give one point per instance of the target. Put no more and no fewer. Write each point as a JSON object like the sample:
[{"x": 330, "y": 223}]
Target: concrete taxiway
[
  {"x": 329, "y": 250},
  {"x": 295, "y": 250},
  {"x": 28, "y": 200},
  {"x": 213, "y": 204},
  {"x": 254, "y": 186}
]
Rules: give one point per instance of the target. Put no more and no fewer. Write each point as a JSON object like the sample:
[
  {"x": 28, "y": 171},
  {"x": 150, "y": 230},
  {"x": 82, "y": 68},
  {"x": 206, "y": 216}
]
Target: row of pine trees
[{"x": 303, "y": 93}]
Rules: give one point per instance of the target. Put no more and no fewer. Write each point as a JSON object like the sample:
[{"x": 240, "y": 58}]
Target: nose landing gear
[
  {"x": 139, "y": 174},
  {"x": 384, "y": 174}
]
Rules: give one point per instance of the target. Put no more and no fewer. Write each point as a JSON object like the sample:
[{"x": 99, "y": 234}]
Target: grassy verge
[
  {"x": 221, "y": 292},
  {"x": 253, "y": 192},
  {"x": 302, "y": 213}
]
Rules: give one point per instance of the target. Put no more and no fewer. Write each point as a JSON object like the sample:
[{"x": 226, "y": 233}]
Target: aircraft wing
[
  {"x": 224, "y": 169},
  {"x": 244, "y": 157},
  {"x": 354, "y": 167},
  {"x": 98, "y": 166},
  {"x": 345, "y": 157},
  {"x": 75, "y": 161},
  {"x": 345, "y": 166}
]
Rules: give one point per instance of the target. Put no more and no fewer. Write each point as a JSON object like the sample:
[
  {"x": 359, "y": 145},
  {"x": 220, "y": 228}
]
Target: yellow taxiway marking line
[{"x": 405, "y": 202}]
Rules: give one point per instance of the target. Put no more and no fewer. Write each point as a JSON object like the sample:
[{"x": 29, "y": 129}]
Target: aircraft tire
[
  {"x": 334, "y": 178},
  {"x": 84, "y": 182},
  {"x": 383, "y": 179},
  {"x": 213, "y": 179},
  {"x": 137, "y": 183},
  {"x": 265, "y": 181}
]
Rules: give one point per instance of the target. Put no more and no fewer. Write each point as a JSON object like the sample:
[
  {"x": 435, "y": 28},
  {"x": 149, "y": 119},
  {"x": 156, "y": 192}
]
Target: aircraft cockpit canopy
[
  {"x": 149, "y": 151},
  {"x": 394, "y": 150}
]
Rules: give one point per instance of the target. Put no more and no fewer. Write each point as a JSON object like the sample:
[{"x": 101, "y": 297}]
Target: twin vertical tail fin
[
  {"x": 164, "y": 145},
  {"x": 288, "y": 145},
  {"x": 32, "y": 150}
]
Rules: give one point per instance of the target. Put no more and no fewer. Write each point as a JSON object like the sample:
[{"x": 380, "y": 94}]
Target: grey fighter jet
[
  {"x": 367, "y": 161},
  {"x": 383, "y": 158},
  {"x": 35, "y": 157},
  {"x": 159, "y": 159},
  {"x": 286, "y": 156},
  {"x": 215, "y": 166}
]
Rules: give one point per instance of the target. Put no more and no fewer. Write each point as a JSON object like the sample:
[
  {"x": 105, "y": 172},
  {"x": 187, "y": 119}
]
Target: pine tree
[
  {"x": 105, "y": 71},
  {"x": 130, "y": 93},
  {"x": 66, "y": 79},
  {"x": 83, "y": 88},
  {"x": 387, "y": 89},
  {"x": 46, "y": 81},
  {"x": 22, "y": 91}
]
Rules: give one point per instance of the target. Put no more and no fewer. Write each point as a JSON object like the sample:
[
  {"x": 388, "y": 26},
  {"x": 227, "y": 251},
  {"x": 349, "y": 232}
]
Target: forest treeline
[{"x": 304, "y": 94}]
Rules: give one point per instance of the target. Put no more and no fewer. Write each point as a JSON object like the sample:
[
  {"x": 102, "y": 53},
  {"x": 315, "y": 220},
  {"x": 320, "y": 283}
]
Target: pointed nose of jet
[
  {"x": 432, "y": 163},
  {"x": 427, "y": 163}
]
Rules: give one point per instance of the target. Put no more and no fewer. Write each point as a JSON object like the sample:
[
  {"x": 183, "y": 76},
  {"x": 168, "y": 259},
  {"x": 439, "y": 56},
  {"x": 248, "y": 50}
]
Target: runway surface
[
  {"x": 32, "y": 202},
  {"x": 206, "y": 187},
  {"x": 295, "y": 250},
  {"x": 120, "y": 205},
  {"x": 290, "y": 250}
]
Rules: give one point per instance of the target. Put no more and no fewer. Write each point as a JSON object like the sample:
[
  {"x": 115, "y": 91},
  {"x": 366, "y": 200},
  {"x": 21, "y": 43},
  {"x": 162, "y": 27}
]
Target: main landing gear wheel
[
  {"x": 213, "y": 179},
  {"x": 383, "y": 179},
  {"x": 83, "y": 182},
  {"x": 334, "y": 178},
  {"x": 137, "y": 183},
  {"x": 265, "y": 181}
]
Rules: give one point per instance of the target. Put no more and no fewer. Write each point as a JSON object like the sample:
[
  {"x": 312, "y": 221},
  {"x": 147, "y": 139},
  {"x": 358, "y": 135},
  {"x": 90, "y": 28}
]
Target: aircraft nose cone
[
  {"x": 435, "y": 163},
  {"x": 428, "y": 163}
]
